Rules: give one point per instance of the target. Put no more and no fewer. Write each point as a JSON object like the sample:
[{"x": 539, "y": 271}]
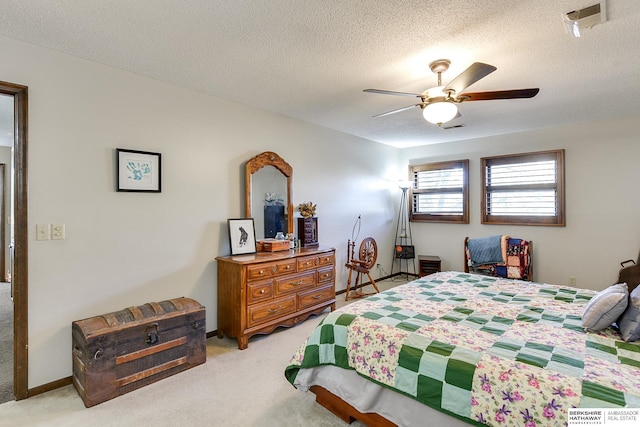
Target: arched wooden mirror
[{"x": 268, "y": 194}]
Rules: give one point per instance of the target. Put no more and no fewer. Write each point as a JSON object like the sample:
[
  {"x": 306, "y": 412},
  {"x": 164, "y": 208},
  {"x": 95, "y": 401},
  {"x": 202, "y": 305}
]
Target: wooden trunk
[{"x": 119, "y": 352}]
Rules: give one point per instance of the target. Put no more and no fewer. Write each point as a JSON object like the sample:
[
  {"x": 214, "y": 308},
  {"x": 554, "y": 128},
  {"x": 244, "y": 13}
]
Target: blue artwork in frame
[{"x": 138, "y": 171}]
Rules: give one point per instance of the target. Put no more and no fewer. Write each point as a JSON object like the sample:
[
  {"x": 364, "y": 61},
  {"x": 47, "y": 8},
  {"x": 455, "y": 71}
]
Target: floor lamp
[{"x": 404, "y": 250}]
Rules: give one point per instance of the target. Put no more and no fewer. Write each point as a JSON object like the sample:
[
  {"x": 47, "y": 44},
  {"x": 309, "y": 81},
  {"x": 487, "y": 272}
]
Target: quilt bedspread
[{"x": 484, "y": 349}]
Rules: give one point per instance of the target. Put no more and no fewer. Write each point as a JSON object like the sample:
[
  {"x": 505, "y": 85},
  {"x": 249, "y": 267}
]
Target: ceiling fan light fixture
[
  {"x": 439, "y": 104},
  {"x": 440, "y": 112}
]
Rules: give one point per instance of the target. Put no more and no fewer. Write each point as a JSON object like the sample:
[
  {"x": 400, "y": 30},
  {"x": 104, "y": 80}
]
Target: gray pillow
[
  {"x": 605, "y": 307},
  {"x": 629, "y": 322}
]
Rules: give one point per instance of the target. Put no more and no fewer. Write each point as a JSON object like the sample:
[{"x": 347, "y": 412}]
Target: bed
[{"x": 457, "y": 348}]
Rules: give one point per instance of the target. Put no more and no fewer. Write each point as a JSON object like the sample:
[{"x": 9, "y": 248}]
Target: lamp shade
[
  {"x": 439, "y": 112},
  {"x": 405, "y": 184}
]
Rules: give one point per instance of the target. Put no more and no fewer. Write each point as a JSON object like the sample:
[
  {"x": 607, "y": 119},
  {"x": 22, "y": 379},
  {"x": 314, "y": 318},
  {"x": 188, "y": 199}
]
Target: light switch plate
[{"x": 43, "y": 231}]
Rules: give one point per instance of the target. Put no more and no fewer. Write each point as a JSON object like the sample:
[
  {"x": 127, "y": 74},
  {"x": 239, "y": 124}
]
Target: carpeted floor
[
  {"x": 6, "y": 343},
  {"x": 233, "y": 388}
]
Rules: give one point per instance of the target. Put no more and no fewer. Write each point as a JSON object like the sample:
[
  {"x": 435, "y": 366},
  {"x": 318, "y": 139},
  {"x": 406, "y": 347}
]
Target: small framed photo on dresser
[{"x": 242, "y": 236}]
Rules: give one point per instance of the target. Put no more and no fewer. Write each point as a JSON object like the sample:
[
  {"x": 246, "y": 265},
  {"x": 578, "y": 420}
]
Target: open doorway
[
  {"x": 6, "y": 298},
  {"x": 14, "y": 220}
]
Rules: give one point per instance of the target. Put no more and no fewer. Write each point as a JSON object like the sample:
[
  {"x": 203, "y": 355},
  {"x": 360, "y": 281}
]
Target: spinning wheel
[{"x": 367, "y": 256}]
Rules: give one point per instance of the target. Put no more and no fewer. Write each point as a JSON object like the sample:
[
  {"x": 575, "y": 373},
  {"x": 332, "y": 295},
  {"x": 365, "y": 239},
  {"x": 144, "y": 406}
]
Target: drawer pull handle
[
  {"x": 288, "y": 267},
  {"x": 308, "y": 262},
  {"x": 274, "y": 310},
  {"x": 317, "y": 296},
  {"x": 261, "y": 272},
  {"x": 274, "y": 268},
  {"x": 262, "y": 291},
  {"x": 299, "y": 282}
]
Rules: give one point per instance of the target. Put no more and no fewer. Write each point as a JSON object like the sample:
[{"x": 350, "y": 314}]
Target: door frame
[{"x": 19, "y": 278}]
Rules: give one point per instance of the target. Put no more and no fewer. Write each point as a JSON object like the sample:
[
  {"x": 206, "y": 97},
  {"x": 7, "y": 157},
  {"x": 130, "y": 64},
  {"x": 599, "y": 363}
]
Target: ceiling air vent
[
  {"x": 585, "y": 18},
  {"x": 453, "y": 127}
]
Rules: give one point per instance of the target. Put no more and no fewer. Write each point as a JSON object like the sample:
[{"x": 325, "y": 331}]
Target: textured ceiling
[{"x": 312, "y": 59}]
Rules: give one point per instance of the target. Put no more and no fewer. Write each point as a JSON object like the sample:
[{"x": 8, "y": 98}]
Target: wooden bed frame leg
[
  {"x": 324, "y": 398},
  {"x": 346, "y": 412}
]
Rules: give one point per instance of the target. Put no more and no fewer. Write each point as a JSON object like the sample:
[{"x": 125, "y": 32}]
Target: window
[
  {"x": 524, "y": 189},
  {"x": 440, "y": 192}
]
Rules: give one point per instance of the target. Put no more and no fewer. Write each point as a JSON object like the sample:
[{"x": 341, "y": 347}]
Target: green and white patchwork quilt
[{"x": 484, "y": 349}]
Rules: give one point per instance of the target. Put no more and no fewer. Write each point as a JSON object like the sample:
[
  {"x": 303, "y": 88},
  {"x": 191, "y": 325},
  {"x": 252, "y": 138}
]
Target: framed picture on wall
[
  {"x": 138, "y": 171},
  {"x": 242, "y": 236}
]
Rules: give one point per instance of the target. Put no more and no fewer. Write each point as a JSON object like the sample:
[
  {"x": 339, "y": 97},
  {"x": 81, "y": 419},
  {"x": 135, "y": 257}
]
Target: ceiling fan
[{"x": 438, "y": 103}]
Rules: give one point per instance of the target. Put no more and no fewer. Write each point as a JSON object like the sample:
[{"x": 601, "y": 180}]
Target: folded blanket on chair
[
  {"x": 517, "y": 261},
  {"x": 485, "y": 250}
]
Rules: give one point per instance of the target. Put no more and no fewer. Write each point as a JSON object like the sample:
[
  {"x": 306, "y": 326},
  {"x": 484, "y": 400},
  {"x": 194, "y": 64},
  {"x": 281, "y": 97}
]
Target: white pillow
[
  {"x": 629, "y": 322},
  {"x": 605, "y": 307}
]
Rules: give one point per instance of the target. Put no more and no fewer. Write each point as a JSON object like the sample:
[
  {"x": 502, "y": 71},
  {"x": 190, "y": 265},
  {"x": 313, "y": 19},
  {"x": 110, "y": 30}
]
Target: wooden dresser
[{"x": 261, "y": 291}]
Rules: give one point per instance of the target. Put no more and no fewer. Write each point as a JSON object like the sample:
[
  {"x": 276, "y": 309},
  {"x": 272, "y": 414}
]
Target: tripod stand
[{"x": 404, "y": 250}]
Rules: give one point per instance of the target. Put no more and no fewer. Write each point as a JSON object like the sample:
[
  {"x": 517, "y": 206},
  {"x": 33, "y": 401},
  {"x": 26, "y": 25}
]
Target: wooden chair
[
  {"x": 630, "y": 273},
  {"x": 516, "y": 260},
  {"x": 367, "y": 256}
]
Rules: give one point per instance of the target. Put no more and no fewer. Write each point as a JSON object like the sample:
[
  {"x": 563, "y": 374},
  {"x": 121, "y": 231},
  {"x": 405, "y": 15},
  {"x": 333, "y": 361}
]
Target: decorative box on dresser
[
  {"x": 261, "y": 291},
  {"x": 308, "y": 232}
]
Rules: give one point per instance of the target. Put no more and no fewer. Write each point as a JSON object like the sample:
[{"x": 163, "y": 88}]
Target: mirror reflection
[
  {"x": 269, "y": 196},
  {"x": 268, "y": 200}
]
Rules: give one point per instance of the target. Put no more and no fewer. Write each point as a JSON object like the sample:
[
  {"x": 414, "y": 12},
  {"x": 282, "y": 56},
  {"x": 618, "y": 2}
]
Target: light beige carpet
[{"x": 233, "y": 388}]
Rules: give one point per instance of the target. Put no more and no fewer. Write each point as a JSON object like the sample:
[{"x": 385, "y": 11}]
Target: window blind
[
  {"x": 524, "y": 189},
  {"x": 440, "y": 192}
]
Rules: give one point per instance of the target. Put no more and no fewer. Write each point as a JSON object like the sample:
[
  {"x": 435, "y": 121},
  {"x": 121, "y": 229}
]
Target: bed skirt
[{"x": 370, "y": 399}]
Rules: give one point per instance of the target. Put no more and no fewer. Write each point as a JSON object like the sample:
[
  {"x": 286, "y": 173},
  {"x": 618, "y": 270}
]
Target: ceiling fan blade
[
  {"x": 390, "y": 92},
  {"x": 475, "y": 72},
  {"x": 499, "y": 94},
  {"x": 397, "y": 110}
]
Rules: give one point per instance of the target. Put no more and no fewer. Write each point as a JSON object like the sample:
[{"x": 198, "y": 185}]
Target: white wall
[
  {"x": 602, "y": 206},
  {"x": 125, "y": 249}
]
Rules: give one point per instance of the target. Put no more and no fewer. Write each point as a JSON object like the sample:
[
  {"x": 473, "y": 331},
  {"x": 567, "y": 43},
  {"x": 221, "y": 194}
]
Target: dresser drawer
[
  {"x": 285, "y": 267},
  {"x": 259, "y": 291},
  {"x": 261, "y": 313},
  {"x": 295, "y": 283},
  {"x": 326, "y": 259},
  {"x": 306, "y": 263},
  {"x": 325, "y": 275},
  {"x": 315, "y": 296},
  {"x": 261, "y": 271}
]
